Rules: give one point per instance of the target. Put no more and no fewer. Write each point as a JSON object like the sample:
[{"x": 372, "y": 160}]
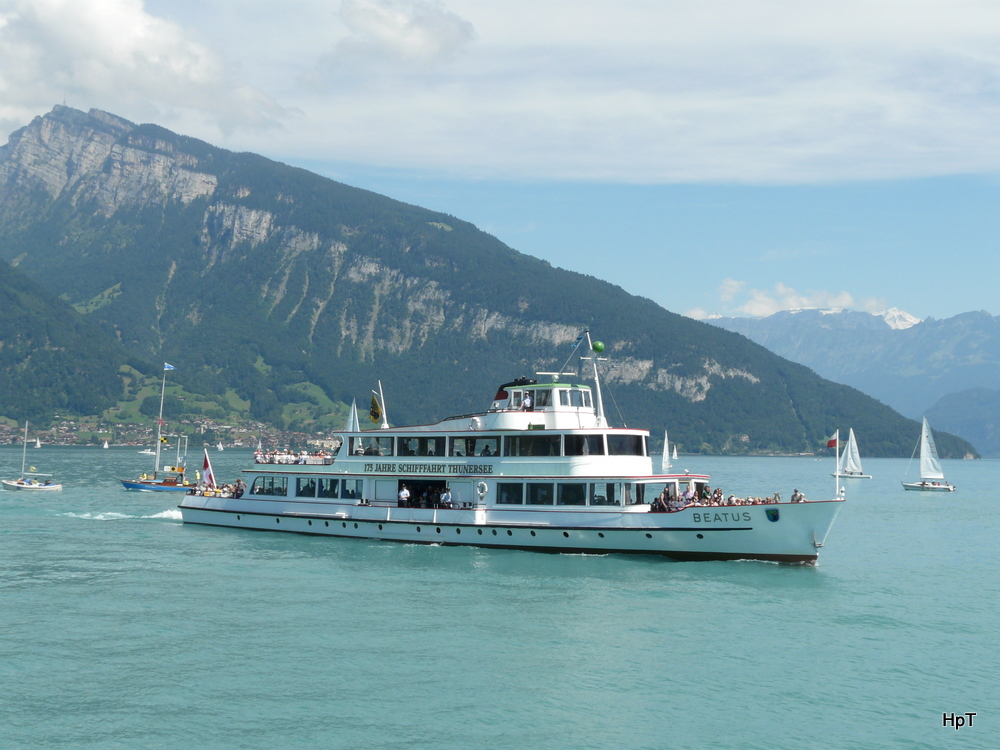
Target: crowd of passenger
[
  {"x": 667, "y": 502},
  {"x": 220, "y": 490},
  {"x": 291, "y": 457}
]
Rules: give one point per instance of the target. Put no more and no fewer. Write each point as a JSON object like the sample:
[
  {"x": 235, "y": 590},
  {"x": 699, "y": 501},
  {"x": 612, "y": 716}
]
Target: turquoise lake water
[{"x": 120, "y": 627}]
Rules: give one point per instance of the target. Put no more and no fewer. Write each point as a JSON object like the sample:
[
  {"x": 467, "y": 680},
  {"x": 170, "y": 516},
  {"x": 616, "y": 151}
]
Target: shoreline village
[{"x": 540, "y": 469}]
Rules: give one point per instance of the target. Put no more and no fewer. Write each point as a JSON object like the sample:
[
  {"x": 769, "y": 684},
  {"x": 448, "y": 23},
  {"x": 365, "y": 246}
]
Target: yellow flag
[{"x": 376, "y": 411}]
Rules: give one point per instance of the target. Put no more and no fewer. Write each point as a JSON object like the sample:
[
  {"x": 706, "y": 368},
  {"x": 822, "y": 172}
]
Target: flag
[
  {"x": 834, "y": 439},
  {"x": 376, "y": 411},
  {"x": 207, "y": 470},
  {"x": 168, "y": 367}
]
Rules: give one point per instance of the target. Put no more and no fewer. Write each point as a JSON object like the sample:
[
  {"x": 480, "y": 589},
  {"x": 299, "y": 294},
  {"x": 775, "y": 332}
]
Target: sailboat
[
  {"x": 665, "y": 460},
  {"x": 24, "y": 483},
  {"x": 219, "y": 446},
  {"x": 353, "y": 423},
  {"x": 931, "y": 476},
  {"x": 849, "y": 463},
  {"x": 172, "y": 479},
  {"x": 105, "y": 445},
  {"x": 38, "y": 442}
]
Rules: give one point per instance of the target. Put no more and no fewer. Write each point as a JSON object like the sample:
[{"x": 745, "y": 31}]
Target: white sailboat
[
  {"x": 38, "y": 443},
  {"x": 105, "y": 446},
  {"x": 29, "y": 479},
  {"x": 931, "y": 475},
  {"x": 219, "y": 447},
  {"x": 353, "y": 423},
  {"x": 665, "y": 460},
  {"x": 849, "y": 462}
]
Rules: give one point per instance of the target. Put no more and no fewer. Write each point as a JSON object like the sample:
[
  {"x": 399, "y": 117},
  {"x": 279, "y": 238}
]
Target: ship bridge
[{"x": 526, "y": 404}]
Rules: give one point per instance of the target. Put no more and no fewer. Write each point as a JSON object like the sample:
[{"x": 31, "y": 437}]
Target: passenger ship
[{"x": 554, "y": 477}]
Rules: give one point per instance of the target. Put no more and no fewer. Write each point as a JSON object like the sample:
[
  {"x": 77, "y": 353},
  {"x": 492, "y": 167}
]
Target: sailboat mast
[
  {"x": 24, "y": 449},
  {"x": 159, "y": 424},
  {"x": 836, "y": 463}
]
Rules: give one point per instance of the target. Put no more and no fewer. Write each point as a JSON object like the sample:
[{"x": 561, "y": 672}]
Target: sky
[{"x": 733, "y": 157}]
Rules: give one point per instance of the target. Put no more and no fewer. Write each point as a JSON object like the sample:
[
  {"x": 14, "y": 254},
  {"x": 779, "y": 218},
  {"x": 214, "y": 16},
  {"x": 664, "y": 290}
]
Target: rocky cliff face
[
  {"x": 257, "y": 276},
  {"x": 106, "y": 163}
]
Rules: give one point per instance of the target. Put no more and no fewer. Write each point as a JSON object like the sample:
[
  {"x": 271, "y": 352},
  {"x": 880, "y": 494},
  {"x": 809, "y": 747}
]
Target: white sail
[
  {"x": 930, "y": 465},
  {"x": 850, "y": 459},
  {"x": 675, "y": 452},
  {"x": 105, "y": 443},
  {"x": 665, "y": 461},
  {"x": 353, "y": 425}
]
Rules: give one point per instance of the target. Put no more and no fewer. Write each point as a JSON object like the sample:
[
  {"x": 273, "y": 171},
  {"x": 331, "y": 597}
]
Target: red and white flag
[
  {"x": 831, "y": 443},
  {"x": 207, "y": 476}
]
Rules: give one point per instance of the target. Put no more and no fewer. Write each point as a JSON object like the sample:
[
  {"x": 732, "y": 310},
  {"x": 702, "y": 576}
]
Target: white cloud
[
  {"x": 114, "y": 54},
  {"x": 729, "y": 289},
  {"x": 404, "y": 31},
  {"x": 638, "y": 91},
  {"x": 759, "y": 303}
]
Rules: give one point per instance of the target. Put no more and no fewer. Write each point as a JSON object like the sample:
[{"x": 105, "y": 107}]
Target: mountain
[
  {"x": 270, "y": 286},
  {"x": 52, "y": 359},
  {"x": 922, "y": 368}
]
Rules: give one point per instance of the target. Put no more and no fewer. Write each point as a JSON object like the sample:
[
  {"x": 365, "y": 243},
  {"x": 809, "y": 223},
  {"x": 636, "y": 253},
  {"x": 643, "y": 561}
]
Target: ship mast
[{"x": 596, "y": 347}]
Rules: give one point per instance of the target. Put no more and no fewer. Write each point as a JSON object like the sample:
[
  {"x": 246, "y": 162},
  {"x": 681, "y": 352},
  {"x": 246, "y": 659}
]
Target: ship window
[
  {"x": 625, "y": 445},
  {"x": 574, "y": 493},
  {"x": 576, "y": 398},
  {"x": 563, "y": 398},
  {"x": 515, "y": 399},
  {"x": 420, "y": 446},
  {"x": 532, "y": 445},
  {"x": 647, "y": 493},
  {"x": 305, "y": 487},
  {"x": 509, "y": 493},
  {"x": 543, "y": 397},
  {"x": 540, "y": 493},
  {"x": 467, "y": 447},
  {"x": 371, "y": 446},
  {"x": 352, "y": 489},
  {"x": 605, "y": 493},
  {"x": 584, "y": 445},
  {"x": 586, "y": 399},
  {"x": 270, "y": 486},
  {"x": 329, "y": 488}
]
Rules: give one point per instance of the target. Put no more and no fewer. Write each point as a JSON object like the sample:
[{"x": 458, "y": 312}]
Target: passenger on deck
[
  {"x": 526, "y": 402},
  {"x": 798, "y": 497},
  {"x": 486, "y": 451},
  {"x": 404, "y": 497},
  {"x": 446, "y": 498}
]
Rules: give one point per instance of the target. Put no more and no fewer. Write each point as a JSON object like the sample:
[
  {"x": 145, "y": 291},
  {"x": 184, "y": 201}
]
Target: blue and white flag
[{"x": 168, "y": 367}]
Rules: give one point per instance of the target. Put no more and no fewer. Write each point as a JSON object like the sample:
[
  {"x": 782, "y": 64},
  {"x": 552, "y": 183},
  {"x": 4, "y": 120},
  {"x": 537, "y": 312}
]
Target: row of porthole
[{"x": 459, "y": 531}]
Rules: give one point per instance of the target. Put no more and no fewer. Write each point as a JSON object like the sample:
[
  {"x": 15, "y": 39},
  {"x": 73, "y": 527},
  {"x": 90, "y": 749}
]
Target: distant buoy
[{"x": 598, "y": 346}]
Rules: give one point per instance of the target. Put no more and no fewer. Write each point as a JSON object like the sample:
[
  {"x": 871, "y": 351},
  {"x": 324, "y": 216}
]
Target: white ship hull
[{"x": 700, "y": 533}]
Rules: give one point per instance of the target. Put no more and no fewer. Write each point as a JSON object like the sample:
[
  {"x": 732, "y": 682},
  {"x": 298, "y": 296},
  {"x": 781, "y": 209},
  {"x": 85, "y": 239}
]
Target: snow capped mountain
[{"x": 898, "y": 319}]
